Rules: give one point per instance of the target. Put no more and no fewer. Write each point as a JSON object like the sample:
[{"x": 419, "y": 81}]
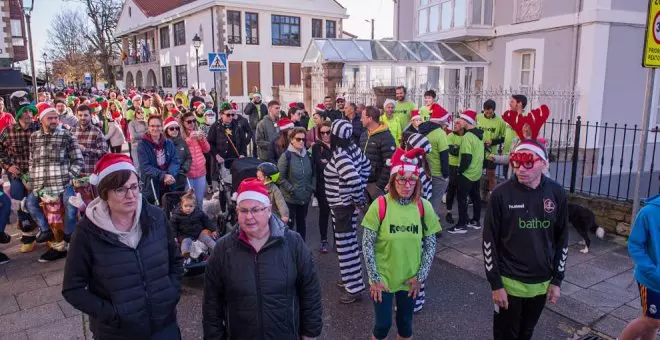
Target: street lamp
[
  {"x": 27, "y": 7},
  {"x": 46, "y": 67},
  {"x": 197, "y": 42}
]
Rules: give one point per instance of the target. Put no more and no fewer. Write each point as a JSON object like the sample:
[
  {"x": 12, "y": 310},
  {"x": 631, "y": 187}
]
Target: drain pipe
[{"x": 576, "y": 47}]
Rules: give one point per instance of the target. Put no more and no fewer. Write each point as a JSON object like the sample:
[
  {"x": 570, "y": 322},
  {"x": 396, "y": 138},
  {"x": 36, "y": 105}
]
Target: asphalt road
[{"x": 458, "y": 305}]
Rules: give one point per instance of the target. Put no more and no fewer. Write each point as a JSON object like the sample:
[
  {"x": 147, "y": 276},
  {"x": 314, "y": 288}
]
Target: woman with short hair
[{"x": 159, "y": 161}]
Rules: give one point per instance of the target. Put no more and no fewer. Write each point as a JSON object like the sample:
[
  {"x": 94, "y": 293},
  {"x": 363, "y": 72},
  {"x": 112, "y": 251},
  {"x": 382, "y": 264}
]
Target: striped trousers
[{"x": 348, "y": 252}]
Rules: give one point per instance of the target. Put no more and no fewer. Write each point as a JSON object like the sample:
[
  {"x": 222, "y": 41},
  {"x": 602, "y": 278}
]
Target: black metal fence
[{"x": 601, "y": 159}]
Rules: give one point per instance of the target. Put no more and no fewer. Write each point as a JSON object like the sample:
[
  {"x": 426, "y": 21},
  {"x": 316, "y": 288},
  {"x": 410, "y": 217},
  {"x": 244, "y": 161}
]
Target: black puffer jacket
[
  {"x": 219, "y": 138},
  {"x": 270, "y": 295},
  {"x": 321, "y": 155},
  {"x": 253, "y": 113},
  {"x": 190, "y": 225},
  {"x": 127, "y": 293},
  {"x": 378, "y": 147}
]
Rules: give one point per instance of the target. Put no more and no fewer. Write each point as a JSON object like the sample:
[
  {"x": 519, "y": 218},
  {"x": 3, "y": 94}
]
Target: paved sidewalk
[{"x": 598, "y": 291}]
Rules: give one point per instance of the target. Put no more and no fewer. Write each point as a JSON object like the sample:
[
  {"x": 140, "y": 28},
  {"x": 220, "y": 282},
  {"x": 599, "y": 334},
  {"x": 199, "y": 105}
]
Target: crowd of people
[{"x": 396, "y": 171}]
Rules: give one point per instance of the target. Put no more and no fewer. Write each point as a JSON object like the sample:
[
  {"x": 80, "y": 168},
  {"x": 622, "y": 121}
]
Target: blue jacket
[
  {"x": 148, "y": 164},
  {"x": 644, "y": 244}
]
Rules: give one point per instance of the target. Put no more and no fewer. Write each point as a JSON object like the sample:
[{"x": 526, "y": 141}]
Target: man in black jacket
[
  {"x": 261, "y": 282},
  {"x": 525, "y": 243},
  {"x": 255, "y": 110},
  {"x": 227, "y": 137},
  {"x": 378, "y": 146}
]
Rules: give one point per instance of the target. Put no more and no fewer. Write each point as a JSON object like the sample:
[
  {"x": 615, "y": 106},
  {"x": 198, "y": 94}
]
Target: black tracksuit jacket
[{"x": 525, "y": 234}]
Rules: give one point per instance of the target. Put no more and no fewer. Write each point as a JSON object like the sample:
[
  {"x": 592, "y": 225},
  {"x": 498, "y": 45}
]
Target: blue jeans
[
  {"x": 404, "y": 315},
  {"x": 5, "y": 208},
  {"x": 17, "y": 192},
  {"x": 71, "y": 212},
  {"x": 199, "y": 185}
]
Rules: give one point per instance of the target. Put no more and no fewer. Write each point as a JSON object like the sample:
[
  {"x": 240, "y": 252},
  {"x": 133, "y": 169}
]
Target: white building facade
[{"x": 265, "y": 41}]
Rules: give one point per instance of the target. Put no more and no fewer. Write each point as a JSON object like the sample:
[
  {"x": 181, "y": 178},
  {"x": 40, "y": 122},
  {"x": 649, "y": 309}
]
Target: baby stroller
[
  {"x": 241, "y": 168},
  {"x": 199, "y": 252}
]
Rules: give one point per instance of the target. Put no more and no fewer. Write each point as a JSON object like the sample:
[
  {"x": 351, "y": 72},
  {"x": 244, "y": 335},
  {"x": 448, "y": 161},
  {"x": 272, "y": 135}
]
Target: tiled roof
[{"x": 152, "y": 8}]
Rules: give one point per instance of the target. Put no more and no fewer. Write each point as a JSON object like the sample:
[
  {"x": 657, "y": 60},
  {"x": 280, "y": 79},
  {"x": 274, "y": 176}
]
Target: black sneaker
[
  {"x": 3, "y": 258},
  {"x": 457, "y": 230},
  {"x": 449, "y": 218},
  {"x": 348, "y": 298},
  {"x": 45, "y": 236},
  {"x": 4, "y": 238},
  {"x": 52, "y": 255},
  {"x": 474, "y": 224}
]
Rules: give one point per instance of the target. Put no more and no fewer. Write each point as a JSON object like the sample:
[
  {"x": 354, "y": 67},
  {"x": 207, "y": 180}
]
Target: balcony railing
[{"x": 146, "y": 58}]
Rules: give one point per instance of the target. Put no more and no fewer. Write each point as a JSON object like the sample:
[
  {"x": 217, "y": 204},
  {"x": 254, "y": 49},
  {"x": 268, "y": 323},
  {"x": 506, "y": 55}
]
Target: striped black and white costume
[{"x": 345, "y": 181}]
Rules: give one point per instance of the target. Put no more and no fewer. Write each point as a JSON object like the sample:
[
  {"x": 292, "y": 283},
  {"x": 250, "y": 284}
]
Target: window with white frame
[
  {"x": 460, "y": 13},
  {"x": 16, "y": 32},
  {"x": 446, "y": 10},
  {"x": 423, "y": 21},
  {"x": 527, "y": 60},
  {"x": 482, "y": 12},
  {"x": 434, "y": 18}
]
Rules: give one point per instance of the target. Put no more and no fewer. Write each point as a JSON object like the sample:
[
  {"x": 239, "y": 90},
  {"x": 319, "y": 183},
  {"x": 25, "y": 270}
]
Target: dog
[
  {"x": 211, "y": 207},
  {"x": 584, "y": 221}
]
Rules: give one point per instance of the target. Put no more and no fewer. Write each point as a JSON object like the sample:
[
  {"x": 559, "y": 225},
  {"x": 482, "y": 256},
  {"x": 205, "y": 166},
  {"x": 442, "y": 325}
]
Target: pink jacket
[{"x": 197, "y": 150}]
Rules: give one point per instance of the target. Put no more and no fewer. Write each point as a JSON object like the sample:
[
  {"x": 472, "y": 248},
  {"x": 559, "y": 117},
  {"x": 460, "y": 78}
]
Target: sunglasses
[
  {"x": 324, "y": 133},
  {"x": 174, "y": 129},
  {"x": 192, "y": 121},
  {"x": 526, "y": 160},
  {"x": 229, "y": 115},
  {"x": 297, "y": 139},
  {"x": 407, "y": 180}
]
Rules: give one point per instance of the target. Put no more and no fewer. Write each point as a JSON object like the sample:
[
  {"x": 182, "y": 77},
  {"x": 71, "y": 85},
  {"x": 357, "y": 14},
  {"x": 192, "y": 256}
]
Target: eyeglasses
[
  {"x": 326, "y": 133},
  {"x": 229, "y": 115},
  {"x": 174, "y": 129},
  {"x": 123, "y": 191},
  {"x": 525, "y": 160},
  {"x": 298, "y": 139},
  {"x": 191, "y": 121},
  {"x": 155, "y": 126},
  {"x": 254, "y": 211},
  {"x": 407, "y": 180}
]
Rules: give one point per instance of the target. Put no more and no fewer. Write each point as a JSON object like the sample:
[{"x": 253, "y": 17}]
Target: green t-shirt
[
  {"x": 425, "y": 113},
  {"x": 393, "y": 125},
  {"x": 438, "y": 140},
  {"x": 454, "y": 139},
  {"x": 509, "y": 136},
  {"x": 493, "y": 128},
  {"x": 402, "y": 111},
  {"x": 130, "y": 114},
  {"x": 398, "y": 248},
  {"x": 201, "y": 120},
  {"x": 471, "y": 144},
  {"x": 524, "y": 290}
]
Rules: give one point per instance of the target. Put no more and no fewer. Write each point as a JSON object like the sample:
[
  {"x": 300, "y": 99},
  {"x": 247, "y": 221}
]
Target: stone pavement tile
[
  {"x": 15, "y": 336},
  {"x": 613, "y": 261},
  {"x": 624, "y": 280},
  {"x": 616, "y": 293},
  {"x": 67, "y": 309},
  {"x": 596, "y": 299},
  {"x": 67, "y": 329},
  {"x": 599, "y": 247},
  {"x": 8, "y": 304},
  {"x": 22, "y": 285},
  {"x": 586, "y": 275},
  {"x": 626, "y": 313},
  {"x": 471, "y": 247},
  {"x": 21, "y": 269},
  {"x": 610, "y": 325},
  {"x": 462, "y": 261},
  {"x": 31, "y": 318},
  {"x": 635, "y": 304},
  {"x": 575, "y": 257},
  {"x": 39, "y": 296},
  {"x": 576, "y": 310},
  {"x": 54, "y": 278},
  {"x": 451, "y": 240},
  {"x": 568, "y": 288}
]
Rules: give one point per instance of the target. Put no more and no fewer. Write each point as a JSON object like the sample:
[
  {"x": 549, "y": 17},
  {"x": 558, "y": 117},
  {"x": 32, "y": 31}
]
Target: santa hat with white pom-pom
[{"x": 109, "y": 163}]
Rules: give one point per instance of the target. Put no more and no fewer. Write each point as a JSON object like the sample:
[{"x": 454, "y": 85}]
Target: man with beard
[
  {"x": 55, "y": 160},
  {"x": 330, "y": 111},
  {"x": 255, "y": 110},
  {"x": 15, "y": 160},
  {"x": 378, "y": 145},
  {"x": 66, "y": 118},
  {"x": 403, "y": 107},
  {"x": 267, "y": 129},
  {"x": 353, "y": 117},
  {"x": 438, "y": 158},
  {"x": 90, "y": 140}
]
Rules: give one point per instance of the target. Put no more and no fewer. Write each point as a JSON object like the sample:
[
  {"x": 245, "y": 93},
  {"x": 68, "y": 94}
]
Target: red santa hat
[
  {"x": 234, "y": 106},
  {"x": 406, "y": 161},
  {"x": 285, "y": 123},
  {"x": 43, "y": 109},
  {"x": 439, "y": 114},
  {"x": 320, "y": 108},
  {"x": 292, "y": 105},
  {"x": 198, "y": 104},
  {"x": 168, "y": 101},
  {"x": 469, "y": 116},
  {"x": 116, "y": 115},
  {"x": 169, "y": 122},
  {"x": 109, "y": 163},
  {"x": 174, "y": 112},
  {"x": 253, "y": 189},
  {"x": 135, "y": 97},
  {"x": 414, "y": 114},
  {"x": 94, "y": 107}
]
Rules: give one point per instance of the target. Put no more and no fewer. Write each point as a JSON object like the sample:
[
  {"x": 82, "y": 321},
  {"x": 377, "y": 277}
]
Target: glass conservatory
[{"x": 414, "y": 64}]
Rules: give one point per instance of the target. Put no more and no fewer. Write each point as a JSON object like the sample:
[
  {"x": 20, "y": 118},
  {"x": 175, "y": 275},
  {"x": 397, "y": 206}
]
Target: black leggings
[
  {"x": 452, "y": 187},
  {"x": 297, "y": 216},
  {"x": 518, "y": 321},
  {"x": 115, "y": 149},
  {"x": 324, "y": 214},
  {"x": 468, "y": 188}
]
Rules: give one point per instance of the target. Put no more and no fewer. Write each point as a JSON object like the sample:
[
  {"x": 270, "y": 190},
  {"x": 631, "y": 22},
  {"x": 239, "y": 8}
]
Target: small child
[
  {"x": 188, "y": 220},
  {"x": 269, "y": 173}
]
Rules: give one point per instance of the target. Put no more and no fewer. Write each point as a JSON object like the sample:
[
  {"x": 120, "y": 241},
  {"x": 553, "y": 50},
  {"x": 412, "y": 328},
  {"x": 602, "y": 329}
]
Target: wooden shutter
[
  {"x": 253, "y": 76},
  {"x": 235, "y": 78},
  {"x": 294, "y": 74},
  {"x": 278, "y": 74}
]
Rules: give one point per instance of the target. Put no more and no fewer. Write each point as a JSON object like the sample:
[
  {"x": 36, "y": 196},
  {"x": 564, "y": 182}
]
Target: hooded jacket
[
  {"x": 644, "y": 244},
  {"x": 190, "y": 225},
  {"x": 378, "y": 146},
  {"x": 297, "y": 179},
  {"x": 128, "y": 293},
  {"x": 275, "y": 291},
  {"x": 254, "y": 114},
  {"x": 267, "y": 130},
  {"x": 147, "y": 150}
]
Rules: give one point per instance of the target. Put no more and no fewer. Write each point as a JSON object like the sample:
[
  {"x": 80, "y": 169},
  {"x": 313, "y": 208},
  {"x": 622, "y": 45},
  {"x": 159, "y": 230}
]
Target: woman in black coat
[
  {"x": 321, "y": 154},
  {"x": 123, "y": 268}
]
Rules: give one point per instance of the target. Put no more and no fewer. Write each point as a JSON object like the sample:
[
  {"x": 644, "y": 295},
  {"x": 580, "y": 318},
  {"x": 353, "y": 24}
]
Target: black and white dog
[{"x": 584, "y": 221}]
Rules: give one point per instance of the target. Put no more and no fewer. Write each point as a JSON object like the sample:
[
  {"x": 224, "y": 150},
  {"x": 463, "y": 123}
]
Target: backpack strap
[
  {"x": 382, "y": 207},
  {"x": 420, "y": 206}
]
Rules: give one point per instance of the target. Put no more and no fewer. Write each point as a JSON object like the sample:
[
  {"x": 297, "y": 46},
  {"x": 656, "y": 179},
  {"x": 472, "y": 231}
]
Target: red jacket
[{"x": 197, "y": 150}]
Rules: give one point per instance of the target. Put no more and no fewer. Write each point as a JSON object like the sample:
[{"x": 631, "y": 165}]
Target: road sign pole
[{"x": 641, "y": 158}]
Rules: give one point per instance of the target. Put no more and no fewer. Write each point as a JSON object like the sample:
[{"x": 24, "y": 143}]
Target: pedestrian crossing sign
[{"x": 218, "y": 62}]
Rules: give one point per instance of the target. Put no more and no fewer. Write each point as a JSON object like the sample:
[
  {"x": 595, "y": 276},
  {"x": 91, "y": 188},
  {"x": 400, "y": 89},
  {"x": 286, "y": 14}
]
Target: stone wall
[{"x": 613, "y": 216}]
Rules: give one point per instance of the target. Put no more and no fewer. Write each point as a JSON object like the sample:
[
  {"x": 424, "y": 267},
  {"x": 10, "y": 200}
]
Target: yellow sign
[{"x": 652, "y": 42}]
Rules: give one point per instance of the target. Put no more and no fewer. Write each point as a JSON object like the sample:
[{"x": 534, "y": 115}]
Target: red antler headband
[{"x": 535, "y": 120}]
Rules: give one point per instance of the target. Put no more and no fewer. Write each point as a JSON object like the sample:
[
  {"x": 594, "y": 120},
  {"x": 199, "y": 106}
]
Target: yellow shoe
[{"x": 26, "y": 248}]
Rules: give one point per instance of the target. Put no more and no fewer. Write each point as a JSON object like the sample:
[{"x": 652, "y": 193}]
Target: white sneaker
[{"x": 315, "y": 202}]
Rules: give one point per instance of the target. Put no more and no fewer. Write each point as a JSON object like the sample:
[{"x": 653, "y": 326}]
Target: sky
[{"x": 358, "y": 11}]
